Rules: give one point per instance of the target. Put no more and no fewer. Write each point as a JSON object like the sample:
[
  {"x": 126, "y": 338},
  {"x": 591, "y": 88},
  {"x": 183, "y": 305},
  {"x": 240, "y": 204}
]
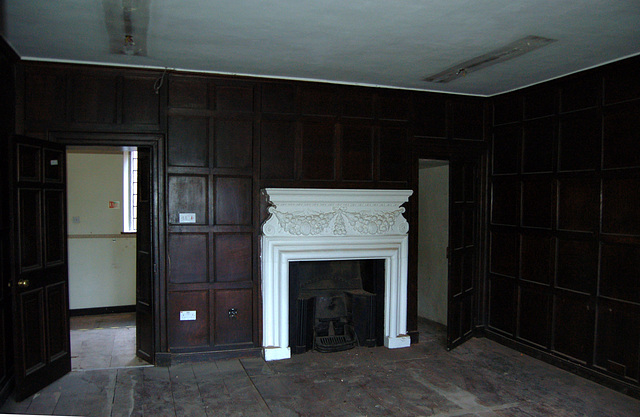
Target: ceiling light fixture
[{"x": 513, "y": 50}]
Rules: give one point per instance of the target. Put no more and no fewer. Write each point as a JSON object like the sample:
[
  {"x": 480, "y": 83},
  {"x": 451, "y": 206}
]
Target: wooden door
[
  {"x": 144, "y": 259},
  {"x": 463, "y": 248},
  {"x": 39, "y": 279}
]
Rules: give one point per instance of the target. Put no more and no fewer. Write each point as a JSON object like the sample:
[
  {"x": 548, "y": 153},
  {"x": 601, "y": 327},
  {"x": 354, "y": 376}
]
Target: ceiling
[{"x": 388, "y": 43}]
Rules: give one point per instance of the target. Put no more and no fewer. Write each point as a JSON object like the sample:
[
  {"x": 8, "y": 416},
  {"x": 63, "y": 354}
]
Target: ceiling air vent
[{"x": 515, "y": 49}]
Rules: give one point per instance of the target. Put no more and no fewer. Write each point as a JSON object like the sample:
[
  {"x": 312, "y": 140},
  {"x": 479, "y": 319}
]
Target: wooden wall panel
[
  {"x": 393, "y": 154},
  {"x": 537, "y": 258},
  {"x": 189, "y": 93},
  {"x": 94, "y": 99},
  {"x": 538, "y": 196},
  {"x": 140, "y": 102},
  {"x": 234, "y": 143},
  {"x": 579, "y": 244},
  {"x": 537, "y": 145},
  {"x": 618, "y": 340},
  {"x": 357, "y": 152},
  {"x": 578, "y": 201},
  {"x": 234, "y": 257},
  {"x": 233, "y": 201},
  {"x": 234, "y": 314},
  {"x": 318, "y": 151},
  {"x": 188, "y": 255},
  {"x": 277, "y": 150},
  {"x": 579, "y": 142},
  {"x": 188, "y": 141},
  {"x": 621, "y": 128},
  {"x": 188, "y": 194},
  {"x": 189, "y": 333},
  {"x": 234, "y": 98}
]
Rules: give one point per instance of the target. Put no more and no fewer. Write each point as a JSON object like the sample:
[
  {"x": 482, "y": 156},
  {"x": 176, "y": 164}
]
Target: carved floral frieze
[{"x": 322, "y": 217}]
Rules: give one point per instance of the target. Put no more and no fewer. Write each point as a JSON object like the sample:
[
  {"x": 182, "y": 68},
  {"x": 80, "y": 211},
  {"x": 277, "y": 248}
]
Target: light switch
[
  {"x": 75, "y": 219},
  {"x": 187, "y": 315}
]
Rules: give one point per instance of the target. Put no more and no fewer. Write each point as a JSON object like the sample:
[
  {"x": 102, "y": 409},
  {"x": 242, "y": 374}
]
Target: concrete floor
[{"x": 479, "y": 378}]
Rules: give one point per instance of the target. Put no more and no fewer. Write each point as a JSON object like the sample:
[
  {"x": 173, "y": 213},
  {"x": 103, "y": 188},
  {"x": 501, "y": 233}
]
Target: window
[{"x": 130, "y": 191}]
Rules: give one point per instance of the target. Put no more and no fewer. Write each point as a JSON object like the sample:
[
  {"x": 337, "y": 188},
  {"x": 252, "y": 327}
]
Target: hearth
[
  {"x": 336, "y": 305},
  {"x": 333, "y": 225}
]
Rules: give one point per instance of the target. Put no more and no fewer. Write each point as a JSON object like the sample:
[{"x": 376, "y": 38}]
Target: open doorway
[
  {"x": 101, "y": 188},
  {"x": 433, "y": 241}
]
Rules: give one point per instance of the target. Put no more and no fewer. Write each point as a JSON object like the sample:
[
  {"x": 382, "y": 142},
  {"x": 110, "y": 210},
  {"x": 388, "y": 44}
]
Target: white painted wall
[
  {"x": 102, "y": 262},
  {"x": 433, "y": 236}
]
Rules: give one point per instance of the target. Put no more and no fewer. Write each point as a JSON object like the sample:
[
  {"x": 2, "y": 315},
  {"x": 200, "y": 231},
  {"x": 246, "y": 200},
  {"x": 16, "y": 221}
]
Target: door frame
[
  {"x": 447, "y": 150},
  {"x": 155, "y": 141}
]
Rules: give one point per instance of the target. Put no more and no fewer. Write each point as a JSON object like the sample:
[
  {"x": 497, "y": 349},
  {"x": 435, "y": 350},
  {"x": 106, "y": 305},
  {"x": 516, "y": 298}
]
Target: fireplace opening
[{"x": 336, "y": 305}]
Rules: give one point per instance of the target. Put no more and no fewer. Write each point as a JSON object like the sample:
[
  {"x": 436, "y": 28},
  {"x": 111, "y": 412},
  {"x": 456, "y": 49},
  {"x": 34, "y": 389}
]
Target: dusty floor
[
  {"x": 479, "y": 378},
  {"x": 104, "y": 341}
]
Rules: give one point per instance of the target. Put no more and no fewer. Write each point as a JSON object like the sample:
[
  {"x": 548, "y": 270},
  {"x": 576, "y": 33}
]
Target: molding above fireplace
[{"x": 320, "y": 224}]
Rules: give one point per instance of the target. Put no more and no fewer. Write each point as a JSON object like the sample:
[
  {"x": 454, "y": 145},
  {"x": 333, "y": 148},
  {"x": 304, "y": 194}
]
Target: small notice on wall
[
  {"x": 114, "y": 204},
  {"x": 187, "y": 217}
]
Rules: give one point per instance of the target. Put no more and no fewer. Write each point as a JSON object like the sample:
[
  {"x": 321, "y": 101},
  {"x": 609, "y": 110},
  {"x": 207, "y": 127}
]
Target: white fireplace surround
[{"x": 321, "y": 225}]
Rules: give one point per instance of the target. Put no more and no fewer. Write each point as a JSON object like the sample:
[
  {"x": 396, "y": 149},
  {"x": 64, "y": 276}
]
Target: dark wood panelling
[
  {"x": 505, "y": 195},
  {"x": 430, "y": 117},
  {"x": 579, "y": 142},
  {"x": 506, "y": 149},
  {"x": 586, "y": 145},
  {"x": 618, "y": 340},
  {"x": 621, "y": 83},
  {"x": 467, "y": 120},
  {"x": 188, "y": 257},
  {"x": 188, "y": 141},
  {"x": 577, "y": 265},
  {"x": 94, "y": 99},
  {"x": 540, "y": 102},
  {"x": 234, "y": 257},
  {"x": 233, "y": 201},
  {"x": 573, "y": 330},
  {"x": 620, "y": 206},
  {"x": 190, "y": 93},
  {"x": 581, "y": 93},
  {"x": 537, "y": 203},
  {"x": 189, "y": 333},
  {"x": 234, "y": 98},
  {"x": 317, "y": 100},
  {"x": 537, "y": 258},
  {"x": 533, "y": 316},
  {"x": 502, "y": 292},
  {"x": 393, "y": 154},
  {"x": 504, "y": 253},
  {"x": 578, "y": 201},
  {"x": 140, "y": 102},
  {"x": 318, "y": 151},
  {"x": 621, "y": 142},
  {"x": 188, "y": 194},
  {"x": 357, "y": 152},
  {"x": 234, "y": 315},
  {"x": 277, "y": 149},
  {"x": 620, "y": 272},
  {"x": 537, "y": 146},
  {"x": 393, "y": 106},
  {"x": 278, "y": 98},
  {"x": 45, "y": 99},
  {"x": 357, "y": 104},
  {"x": 507, "y": 108},
  {"x": 234, "y": 142}
]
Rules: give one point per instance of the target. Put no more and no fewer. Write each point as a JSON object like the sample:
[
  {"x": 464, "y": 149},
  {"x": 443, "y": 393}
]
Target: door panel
[
  {"x": 463, "y": 256},
  {"x": 144, "y": 259},
  {"x": 39, "y": 277}
]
